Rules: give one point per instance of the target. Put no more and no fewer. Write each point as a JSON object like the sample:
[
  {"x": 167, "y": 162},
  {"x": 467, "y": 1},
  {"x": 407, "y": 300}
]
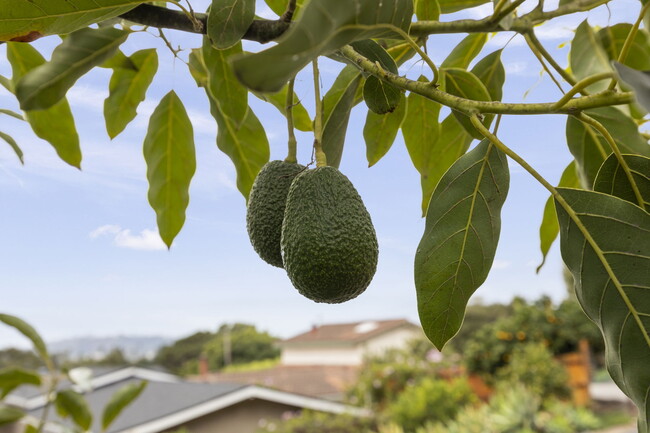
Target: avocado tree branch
[{"x": 469, "y": 107}]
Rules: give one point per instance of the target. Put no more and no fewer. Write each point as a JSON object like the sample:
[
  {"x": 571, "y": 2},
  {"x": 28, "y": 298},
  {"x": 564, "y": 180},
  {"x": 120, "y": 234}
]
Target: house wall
[
  {"x": 396, "y": 339},
  {"x": 245, "y": 417},
  {"x": 322, "y": 355},
  {"x": 11, "y": 428},
  {"x": 342, "y": 354}
]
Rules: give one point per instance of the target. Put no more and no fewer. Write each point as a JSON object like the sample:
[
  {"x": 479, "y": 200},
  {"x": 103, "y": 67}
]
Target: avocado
[
  {"x": 329, "y": 245},
  {"x": 265, "y": 211}
]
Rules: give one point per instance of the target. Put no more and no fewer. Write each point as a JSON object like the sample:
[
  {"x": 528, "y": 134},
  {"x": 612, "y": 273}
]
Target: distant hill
[{"x": 96, "y": 348}]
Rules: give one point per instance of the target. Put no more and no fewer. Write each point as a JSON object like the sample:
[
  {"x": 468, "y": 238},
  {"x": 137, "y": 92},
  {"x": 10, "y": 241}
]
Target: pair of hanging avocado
[{"x": 313, "y": 224}]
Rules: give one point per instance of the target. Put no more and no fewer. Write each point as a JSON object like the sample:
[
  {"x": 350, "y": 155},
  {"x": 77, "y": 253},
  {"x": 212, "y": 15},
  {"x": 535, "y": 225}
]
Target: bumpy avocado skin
[
  {"x": 329, "y": 245},
  {"x": 266, "y": 204}
]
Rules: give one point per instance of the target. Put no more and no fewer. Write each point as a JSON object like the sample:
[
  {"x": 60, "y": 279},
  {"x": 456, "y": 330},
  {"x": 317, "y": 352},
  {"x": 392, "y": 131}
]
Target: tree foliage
[{"x": 599, "y": 210}]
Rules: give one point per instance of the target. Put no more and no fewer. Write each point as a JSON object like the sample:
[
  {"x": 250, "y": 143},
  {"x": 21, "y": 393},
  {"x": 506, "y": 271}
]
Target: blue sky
[{"x": 79, "y": 251}]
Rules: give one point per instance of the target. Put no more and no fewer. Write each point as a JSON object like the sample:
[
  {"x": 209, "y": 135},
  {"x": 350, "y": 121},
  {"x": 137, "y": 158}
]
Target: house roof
[
  {"x": 324, "y": 381},
  {"x": 347, "y": 332},
  {"x": 165, "y": 404}
]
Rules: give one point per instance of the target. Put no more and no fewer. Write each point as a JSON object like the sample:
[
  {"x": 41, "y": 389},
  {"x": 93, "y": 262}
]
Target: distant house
[
  {"x": 169, "y": 403},
  {"x": 326, "y": 360},
  {"x": 347, "y": 343}
]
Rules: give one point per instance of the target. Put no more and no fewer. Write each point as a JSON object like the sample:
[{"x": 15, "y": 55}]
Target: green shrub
[
  {"x": 317, "y": 422},
  {"x": 533, "y": 366},
  {"x": 431, "y": 400}
]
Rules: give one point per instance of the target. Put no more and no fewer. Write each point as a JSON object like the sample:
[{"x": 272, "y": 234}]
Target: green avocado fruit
[
  {"x": 265, "y": 210},
  {"x": 329, "y": 245}
]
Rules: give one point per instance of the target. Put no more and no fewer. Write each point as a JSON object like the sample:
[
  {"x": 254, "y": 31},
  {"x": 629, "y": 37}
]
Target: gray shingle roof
[{"x": 158, "y": 399}]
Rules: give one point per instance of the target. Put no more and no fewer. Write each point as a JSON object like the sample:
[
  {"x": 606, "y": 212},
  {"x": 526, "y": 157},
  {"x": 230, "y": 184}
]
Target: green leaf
[
  {"x": 13, "y": 377},
  {"x": 376, "y": 53},
  {"x": 12, "y": 114},
  {"x": 12, "y": 143},
  {"x": 380, "y": 97},
  {"x": 590, "y": 149},
  {"x": 28, "y": 20},
  {"x": 605, "y": 242},
  {"x": 228, "y": 21},
  {"x": 588, "y": 57},
  {"x": 612, "y": 180},
  {"x": 6, "y": 83},
  {"x": 460, "y": 82},
  {"x": 449, "y": 6},
  {"x": 380, "y": 131},
  {"x": 492, "y": 74},
  {"x": 127, "y": 89},
  {"x": 171, "y": 162},
  {"x": 9, "y": 415},
  {"x": 463, "y": 54},
  {"x": 638, "y": 80},
  {"x": 119, "y": 401},
  {"x": 279, "y": 6},
  {"x": 44, "y": 86},
  {"x": 119, "y": 60},
  {"x": 337, "y": 105},
  {"x": 71, "y": 404},
  {"x": 301, "y": 119},
  {"x": 550, "y": 227},
  {"x": 333, "y": 23},
  {"x": 243, "y": 140},
  {"x": 460, "y": 239},
  {"x": 427, "y": 10},
  {"x": 229, "y": 94},
  {"x": 613, "y": 38},
  {"x": 54, "y": 125},
  {"x": 28, "y": 331}
]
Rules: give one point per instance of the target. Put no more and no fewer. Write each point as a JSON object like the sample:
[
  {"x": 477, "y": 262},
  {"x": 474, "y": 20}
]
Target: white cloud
[
  {"x": 146, "y": 240},
  {"x": 501, "y": 264}
]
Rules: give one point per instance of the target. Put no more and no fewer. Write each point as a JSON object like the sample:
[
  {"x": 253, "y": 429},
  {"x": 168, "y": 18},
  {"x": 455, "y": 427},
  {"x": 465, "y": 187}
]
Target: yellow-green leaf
[
  {"x": 14, "y": 146},
  {"x": 588, "y": 57},
  {"x": 13, "y": 377},
  {"x": 463, "y": 53},
  {"x": 465, "y": 84},
  {"x": 612, "y": 180},
  {"x": 54, "y": 125},
  {"x": 28, "y": 331},
  {"x": 228, "y": 21},
  {"x": 380, "y": 131},
  {"x": 71, "y": 404},
  {"x": 550, "y": 228},
  {"x": 460, "y": 239},
  {"x": 127, "y": 89},
  {"x": 171, "y": 162},
  {"x": 122, "y": 398},
  {"x": 9, "y": 415}
]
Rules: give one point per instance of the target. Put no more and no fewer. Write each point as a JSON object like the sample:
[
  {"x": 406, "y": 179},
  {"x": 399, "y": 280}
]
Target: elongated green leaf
[
  {"x": 228, "y": 21},
  {"x": 460, "y": 239},
  {"x": 56, "y": 124},
  {"x": 427, "y": 10},
  {"x": 12, "y": 114},
  {"x": 463, "y": 54},
  {"x": 12, "y": 143},
  {"x": 639, "y": 81},
  {"x": 449, "y": 6},
  {"x": 119, "y": 60},
  {"x": 28, "y": 20},
  {"x": 44, "y": 86},
  {"x": 127, "y": 89},
  {"x": 380, "y": 131},
  {"x": 228, "y": 93},
  {"x": 119, "y": 401},
  {"x": 333, "y": 23},
  {"x": 6, "y": 83},
  {"x": 588, "y": 57},
  {"x": 71, "y": 404},
  {"x": 243, "y": 140},
  {"x": 9, "y": 415},
  {"x": 612, "y": 180},
  {"x": 590, "y": 149},
  {"x": 301, "y": 119},
  {"x": 171, "y": 162},
  {"x": 13, "y": 377},
  {"x": 337, "y": 105},
  {"x": 380, "y": 97},
  {"x": 492, "y": 74},
  {"x": 28, "y": 331},
  {"x": 605, "y": 242},
  {"x": 550, "y": 227},
  {"x": 376, "y": 53},
  {"x": 463, "y": 83}
]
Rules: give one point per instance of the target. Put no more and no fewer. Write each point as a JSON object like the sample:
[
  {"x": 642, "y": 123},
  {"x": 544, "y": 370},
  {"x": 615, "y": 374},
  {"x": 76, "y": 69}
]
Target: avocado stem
[
  {"x": 292, "y": 143},
  {"x": 321, "y": 159}
]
